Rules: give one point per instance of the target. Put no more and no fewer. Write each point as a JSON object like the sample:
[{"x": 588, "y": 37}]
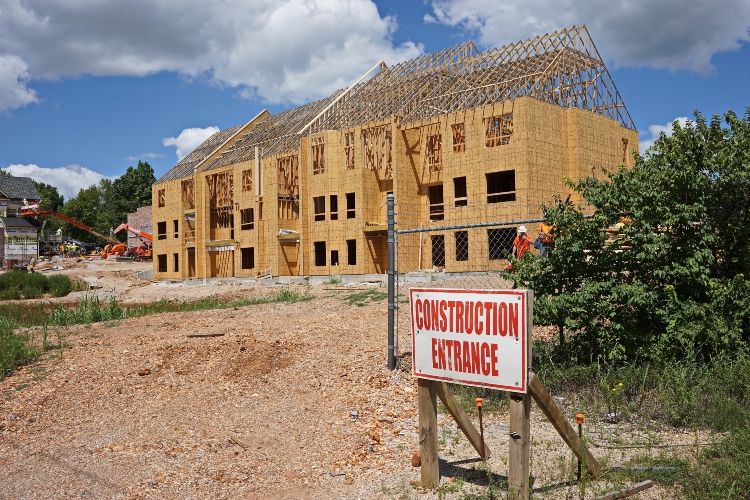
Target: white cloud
[
  {"x": 288, "y": 50},
  {"x": 189, "y": 139},
  {"x": 68, "y": 180},
  {"x": 144, "y": 156},
  {"x": 654, "y": 131},
  {"x": 672, "y": 34},
  {"x": 14, "y": 77}
]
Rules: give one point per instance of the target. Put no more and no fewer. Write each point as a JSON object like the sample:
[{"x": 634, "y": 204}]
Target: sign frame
[{"x": 525, "y": 298}]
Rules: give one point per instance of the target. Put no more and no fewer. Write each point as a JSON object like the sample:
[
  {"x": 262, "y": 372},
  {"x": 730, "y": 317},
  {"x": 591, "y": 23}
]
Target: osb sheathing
[
  {"x": 548, "y": 142},
  {"x": 166, "y": 243}
]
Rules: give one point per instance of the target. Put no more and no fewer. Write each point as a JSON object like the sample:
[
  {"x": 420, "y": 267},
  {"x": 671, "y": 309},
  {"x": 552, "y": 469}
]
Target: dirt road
[{"x": 289, "y": 400}]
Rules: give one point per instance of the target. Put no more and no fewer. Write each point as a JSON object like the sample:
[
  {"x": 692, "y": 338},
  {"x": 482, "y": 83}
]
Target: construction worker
[
  {"x": 522, "y": 243},
  {"x": 73, "y": 248},
  {"x": 546, "y": 241}
]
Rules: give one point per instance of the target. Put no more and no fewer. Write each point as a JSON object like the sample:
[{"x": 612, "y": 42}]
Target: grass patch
[
  {"x": 15, "y": 349},
  {"x": 15, "y": 285},
  {"x": 361, "y": 299},
  {"x": 713, "y": 395}
]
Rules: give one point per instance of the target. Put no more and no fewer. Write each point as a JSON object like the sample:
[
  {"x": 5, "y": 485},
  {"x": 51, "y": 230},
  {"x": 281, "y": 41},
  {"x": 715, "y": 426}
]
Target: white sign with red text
[{"x": 471, "y": 337}]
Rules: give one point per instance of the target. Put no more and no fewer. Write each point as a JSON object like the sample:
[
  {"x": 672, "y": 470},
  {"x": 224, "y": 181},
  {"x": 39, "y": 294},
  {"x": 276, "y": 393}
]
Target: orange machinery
[
  {"x": 143, "y": 252},
  {"x": 113, "y": 248}
]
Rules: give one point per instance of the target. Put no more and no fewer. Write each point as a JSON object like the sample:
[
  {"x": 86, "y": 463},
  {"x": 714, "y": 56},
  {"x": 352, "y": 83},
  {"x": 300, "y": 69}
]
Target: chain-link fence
[{"x": 468, "y": 247}]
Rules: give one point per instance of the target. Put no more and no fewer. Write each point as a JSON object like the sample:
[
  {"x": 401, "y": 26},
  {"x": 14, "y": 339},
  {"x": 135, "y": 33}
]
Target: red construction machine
[{"x": 143, "y": 251}]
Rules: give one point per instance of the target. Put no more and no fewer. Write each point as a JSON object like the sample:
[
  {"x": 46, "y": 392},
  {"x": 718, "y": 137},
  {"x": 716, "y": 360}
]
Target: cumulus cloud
[
  {"x": 280, "y": 51},
  {"x": 68, "y": 180},
  {"x": 654, "y": 131},
  {"x": 189, "y": 139},
  {"x": 14, "y": 78},
  {"x": 671, "y": 34}
]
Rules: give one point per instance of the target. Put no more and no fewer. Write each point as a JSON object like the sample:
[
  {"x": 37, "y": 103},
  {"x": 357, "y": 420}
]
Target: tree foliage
[
  {"x": 107, "y": 205},
  {"x": 671, "y": 283}
]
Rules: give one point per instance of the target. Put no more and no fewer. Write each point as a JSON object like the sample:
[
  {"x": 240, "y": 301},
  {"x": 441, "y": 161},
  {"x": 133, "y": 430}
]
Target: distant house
[{"x": 19, "y": 235}]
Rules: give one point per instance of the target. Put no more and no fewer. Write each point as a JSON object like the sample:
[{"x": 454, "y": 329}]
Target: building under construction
[{"x": 303, "y": 192}]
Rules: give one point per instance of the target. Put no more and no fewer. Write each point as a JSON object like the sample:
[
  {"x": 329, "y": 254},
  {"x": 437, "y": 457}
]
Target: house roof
[
  {"x": 18, "y": 188},
  {"x": 185, "y": 166},
  {"x": 563, "y": 68},
  {"x": 19, "y": 222}
]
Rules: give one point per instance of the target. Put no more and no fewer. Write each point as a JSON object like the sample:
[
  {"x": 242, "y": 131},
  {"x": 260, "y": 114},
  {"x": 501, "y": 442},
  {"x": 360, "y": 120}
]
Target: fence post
[{"x": 391, "y": 280}]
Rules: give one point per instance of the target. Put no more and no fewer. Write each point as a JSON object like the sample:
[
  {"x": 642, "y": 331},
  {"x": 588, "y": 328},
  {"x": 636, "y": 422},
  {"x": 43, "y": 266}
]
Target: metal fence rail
[{"x": 469, "y": 250}]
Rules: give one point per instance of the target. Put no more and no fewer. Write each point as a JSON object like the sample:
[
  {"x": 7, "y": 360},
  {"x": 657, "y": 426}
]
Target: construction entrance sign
[{"x": 471, "y": 337}]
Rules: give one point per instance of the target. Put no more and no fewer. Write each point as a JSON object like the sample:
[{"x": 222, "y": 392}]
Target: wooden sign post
[{"x": 480, "y": 338}]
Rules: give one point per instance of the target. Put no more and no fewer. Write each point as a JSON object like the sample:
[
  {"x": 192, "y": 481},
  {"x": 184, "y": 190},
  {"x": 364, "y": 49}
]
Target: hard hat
[{"x": 522, "y": 229}]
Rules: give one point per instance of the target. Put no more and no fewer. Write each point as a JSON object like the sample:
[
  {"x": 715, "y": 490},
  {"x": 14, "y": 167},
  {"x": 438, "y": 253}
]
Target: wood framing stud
[
  {"x": 428, "y": 438},
  {"x": 626, "y": 492},
  {"x": 462, "y": 420},
  {"x": 556, "y": 417},
  {"x": 520, "y": 441}
]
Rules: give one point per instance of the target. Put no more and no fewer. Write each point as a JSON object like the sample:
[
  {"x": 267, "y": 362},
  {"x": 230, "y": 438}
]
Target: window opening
[
  {"x": 500, "y": 243},
  {"x": 434, "y": 153},
  {"x": 334, "y": 257},
  {"x": 176, "y": 262},
  {"x": 247, "y": 258},
  {"x": 501, "y": 186},
  {"x": 318, "y": 155},
  {"x": 459, "y": 137},
  {"x": 319, "y": 208},
  {"x": 320, "y": 253},
  {"x": 334, "y": 200},
  {"x": 498, "y": 130},
  {"x": 247, "y": 180},
  {"x": 351, "y": 252},
  {"x": 350, "y": 208},
  {"x": 459, "y": 192},
  {"x": 161, "y": 230},
  {"x": 221, "y": 200},
  {"x": 162, "y": 262},
  {"x": 288, "y": 187},
  {"x": 176, "y": 225},
  {"x": 161, "y": 198},
  {"x": 462, "y": 245},
  {"x": 188, "y": 196},
  {"x": 437, "y": 208},
  {"x": 247, "y": 219},
  {"x": 377, "y": 149},
  {"x": 438, "y": 250},
  {"x": 624, "y": 150}
]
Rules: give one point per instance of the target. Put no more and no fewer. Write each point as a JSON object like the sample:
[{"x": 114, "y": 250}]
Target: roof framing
[{"x": 563, "y": 68}]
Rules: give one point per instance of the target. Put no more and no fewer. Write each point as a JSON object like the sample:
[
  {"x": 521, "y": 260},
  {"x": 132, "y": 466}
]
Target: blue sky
[{"x": 89, "y": 87}]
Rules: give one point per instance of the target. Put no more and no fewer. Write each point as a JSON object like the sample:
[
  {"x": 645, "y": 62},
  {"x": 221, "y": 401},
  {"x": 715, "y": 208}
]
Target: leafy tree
[
  {"x": 51, "y": 199},
  {"x": 133, "y": 189},
  {"x": 85, "y": 207},
  {"x": 671, "y": 282}
]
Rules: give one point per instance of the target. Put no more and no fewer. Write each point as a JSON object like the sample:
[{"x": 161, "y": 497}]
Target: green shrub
[
  {"x": 59, "y": 285},
  {"x": 671, "y": 283}
]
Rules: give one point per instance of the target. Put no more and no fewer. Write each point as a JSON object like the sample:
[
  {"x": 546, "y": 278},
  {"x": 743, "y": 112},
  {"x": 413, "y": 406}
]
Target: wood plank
[
  {"x": 199, "y": 335},
  {"x": 626, "y": 492},
  {"x": 462, "y": 420},
  {"x": 556, "y": 417},
  {"x": 520, "y": 440},
  {"x": 428, "y": 433}
]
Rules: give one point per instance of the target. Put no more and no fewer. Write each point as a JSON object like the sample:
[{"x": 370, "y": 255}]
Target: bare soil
[{"x": 294, "y": 400}]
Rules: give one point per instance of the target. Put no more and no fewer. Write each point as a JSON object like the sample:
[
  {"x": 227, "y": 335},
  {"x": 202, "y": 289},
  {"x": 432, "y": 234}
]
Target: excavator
[
  {"x": 113, "y": 247},
  {"x": 143, "y": 251}
]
